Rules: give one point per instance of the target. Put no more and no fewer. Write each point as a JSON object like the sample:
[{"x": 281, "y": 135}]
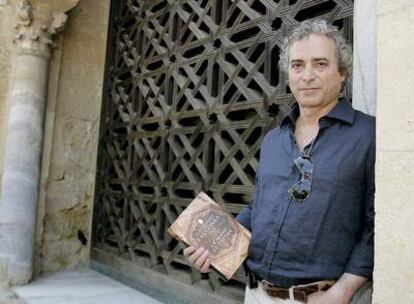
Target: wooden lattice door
[{"x": 191, "y": 88}]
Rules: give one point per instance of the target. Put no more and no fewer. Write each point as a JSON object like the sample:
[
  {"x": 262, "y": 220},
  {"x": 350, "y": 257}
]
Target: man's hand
[
  {"x": 198, "y": 258},
  {"x": 326, "y": 297},
  {"x": 340, "y": 293}
]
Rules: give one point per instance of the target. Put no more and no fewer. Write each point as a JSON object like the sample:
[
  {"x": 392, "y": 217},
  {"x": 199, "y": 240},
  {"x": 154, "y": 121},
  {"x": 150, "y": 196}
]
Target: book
[{"x": 204, "y": 223}]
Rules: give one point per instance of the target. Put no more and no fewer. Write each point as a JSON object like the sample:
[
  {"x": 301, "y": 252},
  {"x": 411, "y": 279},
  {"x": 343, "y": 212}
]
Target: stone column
[{"x": 37, "y": 23}]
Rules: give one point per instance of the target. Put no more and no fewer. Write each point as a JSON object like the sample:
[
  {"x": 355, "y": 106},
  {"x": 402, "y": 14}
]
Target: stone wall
[
  {"x": 71, "y": 138},
  {"x": 5, "y": 71},
  {"x": 394, "y": 242}
]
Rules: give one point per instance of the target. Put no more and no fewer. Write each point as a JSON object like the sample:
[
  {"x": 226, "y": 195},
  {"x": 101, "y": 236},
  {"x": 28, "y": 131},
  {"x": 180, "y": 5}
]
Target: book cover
[{"x": 204, "y": 223}]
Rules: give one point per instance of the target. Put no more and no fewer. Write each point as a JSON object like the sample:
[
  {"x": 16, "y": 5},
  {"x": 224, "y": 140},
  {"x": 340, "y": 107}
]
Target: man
[{"x": 312, "y": 214}]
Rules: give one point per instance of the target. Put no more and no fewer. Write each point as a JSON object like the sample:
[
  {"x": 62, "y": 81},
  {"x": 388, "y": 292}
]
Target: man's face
[{"x": 314, "y": 78}]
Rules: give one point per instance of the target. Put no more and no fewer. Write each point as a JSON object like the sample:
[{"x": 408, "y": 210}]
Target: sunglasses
[{"x": 301, "y": 190}]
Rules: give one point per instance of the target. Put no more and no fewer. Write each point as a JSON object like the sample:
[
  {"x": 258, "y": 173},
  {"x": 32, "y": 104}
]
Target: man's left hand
[
  {"x": 327, "y": 297},
  {"x": 340, "y": 293}
]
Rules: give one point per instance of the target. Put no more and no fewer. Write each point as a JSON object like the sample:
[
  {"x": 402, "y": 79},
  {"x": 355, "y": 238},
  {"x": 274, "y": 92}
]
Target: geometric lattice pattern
[{"x": 191, "y": 88}]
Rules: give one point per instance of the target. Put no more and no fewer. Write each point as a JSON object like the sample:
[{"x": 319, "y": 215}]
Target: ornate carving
[
  {"x": 35, "y": 28},
  {"x": 59, "y": 21},
  {"x": 24, "y": 13}
]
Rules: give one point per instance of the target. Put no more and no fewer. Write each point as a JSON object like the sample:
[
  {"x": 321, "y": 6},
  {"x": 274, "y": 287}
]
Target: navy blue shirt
[{"x": 331, "y": 232}]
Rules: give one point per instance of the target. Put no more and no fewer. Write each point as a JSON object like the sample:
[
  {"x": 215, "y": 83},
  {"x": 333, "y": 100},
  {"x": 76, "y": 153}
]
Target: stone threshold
[{"x": 83, "y": 286}]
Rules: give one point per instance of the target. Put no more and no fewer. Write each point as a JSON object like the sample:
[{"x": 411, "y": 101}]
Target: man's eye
[
  {"x": 296, "y": 66},
  {"x": 321, "y": 64}
]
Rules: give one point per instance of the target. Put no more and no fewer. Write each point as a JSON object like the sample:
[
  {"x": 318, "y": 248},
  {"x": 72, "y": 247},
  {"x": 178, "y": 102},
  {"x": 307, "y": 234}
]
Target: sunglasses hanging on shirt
[{"x": 301, "y": 190}]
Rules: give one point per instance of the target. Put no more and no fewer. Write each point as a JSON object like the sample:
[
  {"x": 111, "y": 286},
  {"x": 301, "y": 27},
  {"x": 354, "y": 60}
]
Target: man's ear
[
  {"x": 344, "y": 75},
  {"x": 344, "y": 79}
]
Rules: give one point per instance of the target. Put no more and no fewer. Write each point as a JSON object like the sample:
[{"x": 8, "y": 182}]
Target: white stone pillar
[{"x": 36, "y": 24}]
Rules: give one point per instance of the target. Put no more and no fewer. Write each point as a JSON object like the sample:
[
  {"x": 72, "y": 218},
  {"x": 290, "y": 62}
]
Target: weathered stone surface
[
  {"x": 71, "y": 173},
  {"x": 69, "y": 195},
  {"x": 5, "y": 67},
  {"x": 34, "y": 27},
  {"x": 56, "y": 5},
  {"x": 64, "y": 253},
  {"x": 393, "y": 6},
  {"x": 394, "y": 243},
  {"x": 8, "y": 296}
]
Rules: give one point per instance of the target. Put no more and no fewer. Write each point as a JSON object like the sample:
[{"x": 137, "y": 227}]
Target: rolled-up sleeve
[
  {"x": 362, "y": 257},
  {"x": 244, "y": 217}
]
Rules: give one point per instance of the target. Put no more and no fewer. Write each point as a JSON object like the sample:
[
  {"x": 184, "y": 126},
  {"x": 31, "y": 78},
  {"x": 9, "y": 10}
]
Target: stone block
[
  {"x": 63, "y": 254},
  {"x": 394, "y": 180},
  {"x": 394, "y": 228},
  {"x": 64, "y": 224},
  {"x": 70, "y": 184},
  {"x": 395, "y": 112},
  {"x": 394, "y": 260},
  {"x": 393, "y": 6},
  {"x": 80, "y": 87}
]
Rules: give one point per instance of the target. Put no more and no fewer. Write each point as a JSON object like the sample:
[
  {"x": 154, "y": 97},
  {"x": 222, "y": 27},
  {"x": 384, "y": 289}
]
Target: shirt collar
[{"x": 342, "y": 111}]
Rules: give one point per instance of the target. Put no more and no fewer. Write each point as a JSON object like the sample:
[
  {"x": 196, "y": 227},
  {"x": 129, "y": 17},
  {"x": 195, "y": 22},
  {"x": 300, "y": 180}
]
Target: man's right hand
[{"x": 198, "y": 258}]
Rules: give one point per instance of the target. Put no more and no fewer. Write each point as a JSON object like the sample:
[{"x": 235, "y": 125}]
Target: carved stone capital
[{"x": 36, "y": 24}]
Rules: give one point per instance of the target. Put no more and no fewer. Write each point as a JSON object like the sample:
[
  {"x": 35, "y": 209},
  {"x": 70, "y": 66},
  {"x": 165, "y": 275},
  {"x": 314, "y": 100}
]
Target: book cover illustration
[{"x": 204, "y": 223}]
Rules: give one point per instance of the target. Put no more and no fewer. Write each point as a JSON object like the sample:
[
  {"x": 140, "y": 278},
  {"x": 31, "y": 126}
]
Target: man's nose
[{"x": 308, "y": 73}]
